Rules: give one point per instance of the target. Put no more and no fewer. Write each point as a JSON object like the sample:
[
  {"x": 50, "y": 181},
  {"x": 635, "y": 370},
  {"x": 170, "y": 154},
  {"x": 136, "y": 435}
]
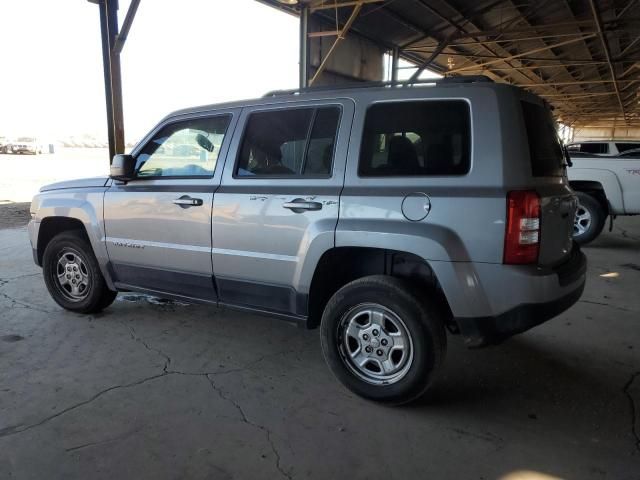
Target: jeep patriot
[{"x": 387, "y": 215}]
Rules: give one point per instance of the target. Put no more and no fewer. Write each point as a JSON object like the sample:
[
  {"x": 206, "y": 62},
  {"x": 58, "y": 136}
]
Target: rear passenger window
[
  {"x": 416, "y": 138},
  {"x": 289, "y": 143},
  {"x": 598, "y": 148}
]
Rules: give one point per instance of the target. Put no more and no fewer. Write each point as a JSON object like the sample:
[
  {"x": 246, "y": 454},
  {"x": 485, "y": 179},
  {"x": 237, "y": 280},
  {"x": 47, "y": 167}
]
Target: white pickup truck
[{"x": 605, "y": 185}]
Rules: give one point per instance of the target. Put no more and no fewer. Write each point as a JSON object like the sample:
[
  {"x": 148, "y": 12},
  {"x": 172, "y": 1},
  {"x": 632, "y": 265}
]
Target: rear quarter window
[
  {"x": 416, "y": 138},
  {"x": 545, "y": 150}
]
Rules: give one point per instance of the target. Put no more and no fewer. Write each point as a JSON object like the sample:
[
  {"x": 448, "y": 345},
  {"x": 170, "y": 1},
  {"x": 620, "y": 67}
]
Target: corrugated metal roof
[{"x": 583, "y": 56}]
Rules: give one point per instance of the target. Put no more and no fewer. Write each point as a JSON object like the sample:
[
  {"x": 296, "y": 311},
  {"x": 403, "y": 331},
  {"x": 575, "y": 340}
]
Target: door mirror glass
[{"x": 123, "y": 168}]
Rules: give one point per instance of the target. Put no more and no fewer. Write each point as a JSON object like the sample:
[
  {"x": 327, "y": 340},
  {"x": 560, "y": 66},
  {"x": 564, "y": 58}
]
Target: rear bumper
[{"x": 561, "y": 286}]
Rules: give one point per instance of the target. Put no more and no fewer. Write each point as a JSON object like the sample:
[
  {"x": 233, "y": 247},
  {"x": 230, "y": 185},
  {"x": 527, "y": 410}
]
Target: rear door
[
  {"x": 277, "y": 207},
  {"x": 557, "y": 202}
]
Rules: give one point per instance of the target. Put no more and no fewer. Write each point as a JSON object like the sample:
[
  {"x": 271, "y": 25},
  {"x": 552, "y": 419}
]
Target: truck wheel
[
  {"x": 72, "y": 275},
  {"x": 381, "y": 340},
  {"x": 590, "y": 219}
]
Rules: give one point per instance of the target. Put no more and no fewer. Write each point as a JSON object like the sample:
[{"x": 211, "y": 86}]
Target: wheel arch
[
  {"x": 54, "y": 225},
  {"x": 602, "y": 185},
  {"x": 340, "y": 265},
  {"x": 57, "y": 213}
]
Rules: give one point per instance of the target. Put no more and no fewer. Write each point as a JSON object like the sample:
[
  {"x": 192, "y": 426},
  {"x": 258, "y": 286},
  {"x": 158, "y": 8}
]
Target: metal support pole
[
  {"x": 395, "y": 58},
  {"x": 116, "y": 77},
  {"x": 104, "y": 31},
  {"x": 112, "y": 76},
  {"x": 304, "y": 47}
]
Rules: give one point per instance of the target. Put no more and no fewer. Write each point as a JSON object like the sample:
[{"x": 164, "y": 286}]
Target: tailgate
[
  {"x": 557, "y": 212},
  {"x": 557, "y": 202}
]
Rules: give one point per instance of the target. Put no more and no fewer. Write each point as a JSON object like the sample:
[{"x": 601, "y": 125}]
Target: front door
[
  {"x": 277, "y": 207},
  {"x": 158, "y": 226}
]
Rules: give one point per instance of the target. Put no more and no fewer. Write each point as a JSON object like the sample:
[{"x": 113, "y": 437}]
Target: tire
[
  {"x": 366, "y": 313},
  {"x": 71, "y": 254},
  {"x": 590, "y": 219}
]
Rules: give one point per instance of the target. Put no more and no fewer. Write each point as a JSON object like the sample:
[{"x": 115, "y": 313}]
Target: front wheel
[
  {"x": 72, "y": 275},
  {"x": 589, "y": 220},
  {"x": 381, "y": 340}
]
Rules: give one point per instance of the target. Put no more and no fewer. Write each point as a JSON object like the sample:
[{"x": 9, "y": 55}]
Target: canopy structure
[{"x": 583, "y": 56}]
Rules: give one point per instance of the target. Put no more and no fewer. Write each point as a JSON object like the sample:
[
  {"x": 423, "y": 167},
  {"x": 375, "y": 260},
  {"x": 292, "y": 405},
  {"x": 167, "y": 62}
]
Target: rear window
[
  {"x": 416, "y": 138},
  {"x": 544, "y": 145}
]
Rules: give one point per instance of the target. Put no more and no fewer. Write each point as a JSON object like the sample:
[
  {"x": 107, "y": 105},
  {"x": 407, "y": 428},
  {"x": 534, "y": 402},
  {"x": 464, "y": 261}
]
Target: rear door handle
[
  {"x": 186, "y": 201},
  {"x": 299, "y": 205}
]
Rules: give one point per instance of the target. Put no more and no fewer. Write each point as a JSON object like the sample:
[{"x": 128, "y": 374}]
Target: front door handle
[
  {"x": 299, "y": 205},
  {"x": 186, "y": 201}
]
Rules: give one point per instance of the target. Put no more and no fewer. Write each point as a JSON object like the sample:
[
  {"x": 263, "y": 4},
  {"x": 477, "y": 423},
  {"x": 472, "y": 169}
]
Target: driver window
[{"x": 184, "y": 149}]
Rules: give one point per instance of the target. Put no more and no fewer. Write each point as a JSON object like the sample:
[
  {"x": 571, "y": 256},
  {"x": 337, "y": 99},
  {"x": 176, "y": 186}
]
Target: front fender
[{"x": 85, "y": 205}]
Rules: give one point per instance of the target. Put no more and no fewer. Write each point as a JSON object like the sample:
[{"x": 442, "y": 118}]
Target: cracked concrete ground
[{"x": 162, "y": 391}]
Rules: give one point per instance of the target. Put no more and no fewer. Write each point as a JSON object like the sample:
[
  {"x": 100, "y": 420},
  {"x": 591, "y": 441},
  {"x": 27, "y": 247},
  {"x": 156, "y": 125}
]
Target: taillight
[{"x": 522, "y": 234}]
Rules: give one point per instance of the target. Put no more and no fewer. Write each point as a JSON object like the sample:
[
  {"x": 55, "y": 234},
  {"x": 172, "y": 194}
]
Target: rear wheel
[
  {"x": 381, "y": 340},
  {"x": 589, "y": 220},
  {"x": 72, "y": 274}
]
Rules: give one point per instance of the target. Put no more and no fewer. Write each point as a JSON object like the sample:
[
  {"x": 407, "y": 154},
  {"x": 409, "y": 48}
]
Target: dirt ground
[{"x": 14, "y": 215}]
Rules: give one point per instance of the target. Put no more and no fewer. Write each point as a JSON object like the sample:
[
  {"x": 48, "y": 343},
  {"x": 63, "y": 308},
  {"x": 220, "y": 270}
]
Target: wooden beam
[
  {"x": 343, "y": 32},
  {"x": 524, "y": 54},
  {"x": 605, "y": 46},
  {"x": 326, "y": 5},
  {"x": 576, "y": 82},
  {"x": 431, "y": 58},
  {"x": 629, "y": 47},
  {"x": 328, "y": 33},
  {"x": 629, "y": 4},
  {"x": 518, "y": 39}
]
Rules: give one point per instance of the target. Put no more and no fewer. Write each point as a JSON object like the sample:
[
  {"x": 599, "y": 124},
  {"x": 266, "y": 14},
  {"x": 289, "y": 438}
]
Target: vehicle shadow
[
  {"x": 618, "y": 239},
  {"x": 521, "y": 371}
]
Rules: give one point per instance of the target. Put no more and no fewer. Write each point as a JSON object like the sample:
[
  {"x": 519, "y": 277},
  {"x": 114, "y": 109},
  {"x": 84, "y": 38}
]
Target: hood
[{"x": 79, "y": 183}]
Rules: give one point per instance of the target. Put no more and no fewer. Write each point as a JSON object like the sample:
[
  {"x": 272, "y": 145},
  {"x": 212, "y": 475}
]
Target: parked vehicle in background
[
  {"x": 608, "y": 148},
  {"x": 5, "y": 145},
  {"x": 383, "y": 215},
  {"x": 605, "y": 186},
  {"x": 26, "y": 145}
]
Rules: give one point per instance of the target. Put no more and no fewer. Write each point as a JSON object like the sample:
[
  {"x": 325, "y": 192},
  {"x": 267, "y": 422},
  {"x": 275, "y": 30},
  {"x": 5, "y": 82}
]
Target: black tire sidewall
[
  {"x": 598, "y": 218},
  {"x": 427, "y": 343},
  {"x": 98, "y": 291}
]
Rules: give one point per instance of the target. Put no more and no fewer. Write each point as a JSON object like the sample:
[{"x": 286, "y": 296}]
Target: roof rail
[{"x": 407, "y": 83}]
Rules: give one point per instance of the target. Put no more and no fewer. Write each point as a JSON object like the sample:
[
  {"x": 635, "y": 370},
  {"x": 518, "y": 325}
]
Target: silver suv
[{"x": 386, "y": 215}]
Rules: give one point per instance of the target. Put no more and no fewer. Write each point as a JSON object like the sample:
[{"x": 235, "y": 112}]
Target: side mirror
[{"x": 123, "y": 168}]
